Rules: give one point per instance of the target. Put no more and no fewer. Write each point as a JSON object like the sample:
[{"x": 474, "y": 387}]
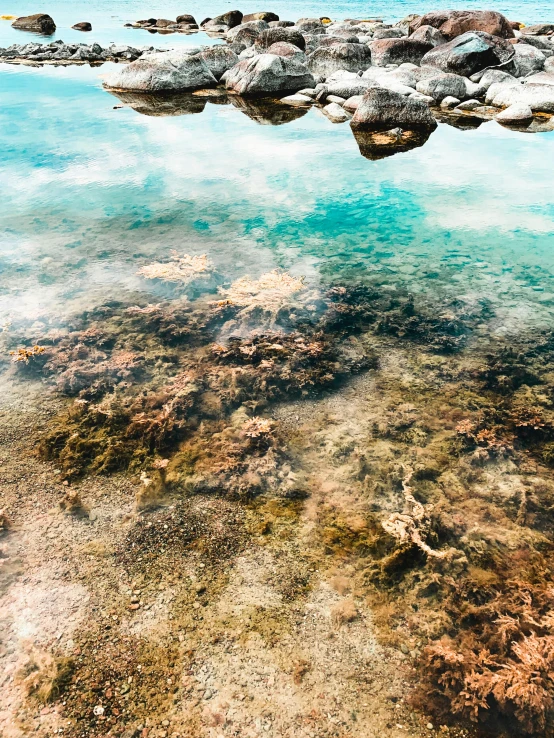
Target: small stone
[
  {"x": 165, "y": 723},
  {"x": 335, "y": 113},
  {"x": 404, "y": 648},
  {"x": 429, "y": 726},
  {"x": 134, "y": 606},
  {"x": 450, "y": 102}
]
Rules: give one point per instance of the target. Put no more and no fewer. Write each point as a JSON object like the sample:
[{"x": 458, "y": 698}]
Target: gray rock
[
  {"x": 309, "y": 25},
  {"x": 398, "y": 51},
  {"x": 470, "y": 53},
  {"x": 290, "y": 51},
  {"x": 336, "y": 113},
  {"x": 352, "y": 103},
  {"x": 298, "y": 99},
  {"x": 381, "y": 110},
  {"x": 420, "y": 96},
  {"x": 449, "y": 102},
  {"x": 251, "y": 29},
  {"x": 443, "y": 85},
  {"x": 328, "y": 59},
  {"x": 429, "y": 35},
  {"x": 219, "y": 59},
  {"x": 539, "y": 42},
  {"x": 488, "y": 77},
  {"x": 540, "y": 98},
  {"x": 382, "y": 33},
  {"x": 515, "y": 114},
  {"x": 454, "y": 23},
  {"x": 527, "y": 60},
  {"x": 268, "y": 73},
  {"x": 542, "y": 78},
  {"x": 274, "y": 35},
  {"x": 38, "y": 23},
  {"x": 347, "y": 88},
  {"x": 469, "y": 105},
  {"x": 172, "y": 70}
]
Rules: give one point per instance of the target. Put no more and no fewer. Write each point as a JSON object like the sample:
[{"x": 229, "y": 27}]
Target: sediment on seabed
[{"x": 338, "y": 500}]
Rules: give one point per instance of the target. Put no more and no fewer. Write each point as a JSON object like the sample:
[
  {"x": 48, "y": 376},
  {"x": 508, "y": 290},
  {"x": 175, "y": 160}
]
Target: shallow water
[{"x": 94, "y": 190}]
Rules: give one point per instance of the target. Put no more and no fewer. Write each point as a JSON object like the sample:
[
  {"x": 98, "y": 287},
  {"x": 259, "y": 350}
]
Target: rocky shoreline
[{"x": 384, "y": 79}]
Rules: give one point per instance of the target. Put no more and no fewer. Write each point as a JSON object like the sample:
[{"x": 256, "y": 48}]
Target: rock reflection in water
[
  {"x": 380, "y": 145},
  {"x": 267, "y": 111},
  {"x": 182, "y": 103}
]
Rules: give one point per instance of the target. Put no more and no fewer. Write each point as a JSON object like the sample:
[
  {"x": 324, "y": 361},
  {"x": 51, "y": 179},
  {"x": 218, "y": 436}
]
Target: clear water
[{"x": 91, "y": 191}]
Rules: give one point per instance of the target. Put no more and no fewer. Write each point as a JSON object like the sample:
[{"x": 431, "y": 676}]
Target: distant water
[
  {"x": 93, "y": 191},
  {"x": 108, "y": 16}
]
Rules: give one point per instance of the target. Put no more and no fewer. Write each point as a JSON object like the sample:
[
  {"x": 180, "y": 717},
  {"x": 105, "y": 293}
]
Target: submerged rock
[
  {"x": 173, "y": 70},
  {"x": 268, "y": 73},
  {"x": 382, "y": 110},
  {"x": 39, "y": 23},
  {"x": 470, "y": 53},
  {"x": 453, "y": 23},
  {"x": 83, "y": 26}
]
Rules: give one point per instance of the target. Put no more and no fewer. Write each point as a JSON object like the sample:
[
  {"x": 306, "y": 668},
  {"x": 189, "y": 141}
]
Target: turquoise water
[{"x": 92, "y": 191}]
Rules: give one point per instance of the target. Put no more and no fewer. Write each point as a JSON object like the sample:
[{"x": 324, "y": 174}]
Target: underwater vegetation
[{"x": 454, "y": 470}]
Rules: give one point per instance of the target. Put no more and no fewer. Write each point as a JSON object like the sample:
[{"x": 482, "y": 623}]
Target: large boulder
[
  {"x": 171, "y": 70},
  {"x": 453, "y": 23},
  {"x": 443, "y": 85},
  {"x": 540, "y": 98},
  {"x": 219, "y": 59},
  {"x": 398, "y": 51},
  {"x": 268, "y": 73},
  {"x": 527, "y": 60},
  {"x": 381, "y": 110},
  {"x": 264, "y": 15},
  {"x": 429, "y": 35},
  {"x": 470, "y": 53},
  {"x": 246, "y": 33},
  {"x": 38, "y": 23},
  {"x": 186, "y": 18},
  {"x": 328, "y": 59}
]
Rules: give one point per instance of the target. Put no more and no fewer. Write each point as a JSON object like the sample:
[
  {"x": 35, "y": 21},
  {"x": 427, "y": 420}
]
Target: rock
[
  {"x": 549, "y": 65},
  {"x": 336, "y": 99},
  {"x": 335, "y": 113},
  {"x": 274, "y": 35},
  {"x": 264, "y": 16},
  {"x": 490, "y": 76},
  {"x": 265, "y": 113},
  {"x": 309, "y": 25},
  {"x": 230, "y": 19},
  {"x": 382, "y": 33},
  {"x": 428, "y": 35},
  {"x": 515, "y": 114},
  {"x": 83, "y": 26},
  {"x": 172, "y": 70},
  {"x": 244, "y": 35},
  {"x": 381, "y": 110},
  {"x": 449, "y": 102},
  {"x": 328, "y": 59},
  {"x": 404, "y": 24},
  {"x": 470, "y": 53},
  {"x": 443, "y": 85},
  {"x": 542, "y": 78},
  {"x": 219, "y": 59},
  {"x": 454, "y": 23},
  {"x": 297, "y": 99},
  {"x": 352, "y": 103},
  {"x": 348, "y": 88},
  {"x": 282, "y": 48},
  {"x": 186, "y": 18},
  {"x": 39, "y": 23},
  {"x": 164, "y": 23},
  {"x": 330, "y": 40},
  {"x": 268, "y": 73},
  {"x": 281, "y": 24},
  {"x": 539, "y": 42},
  {"x": 469, "y": 105},
  {"x": 540, "y": 29},
  {"x": 540, "y": 98},
  {"x": 250, "y": 28},
  {"x": 398, "y": 51},
  {"x": 527, "y": 60},
  {"x": 420, "y": 96}
]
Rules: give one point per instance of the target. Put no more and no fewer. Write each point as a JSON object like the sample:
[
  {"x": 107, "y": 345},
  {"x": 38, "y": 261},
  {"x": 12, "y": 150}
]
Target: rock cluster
[
  {"x": 60, "y": 52},
  {"x": 393, "y": 79}
]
